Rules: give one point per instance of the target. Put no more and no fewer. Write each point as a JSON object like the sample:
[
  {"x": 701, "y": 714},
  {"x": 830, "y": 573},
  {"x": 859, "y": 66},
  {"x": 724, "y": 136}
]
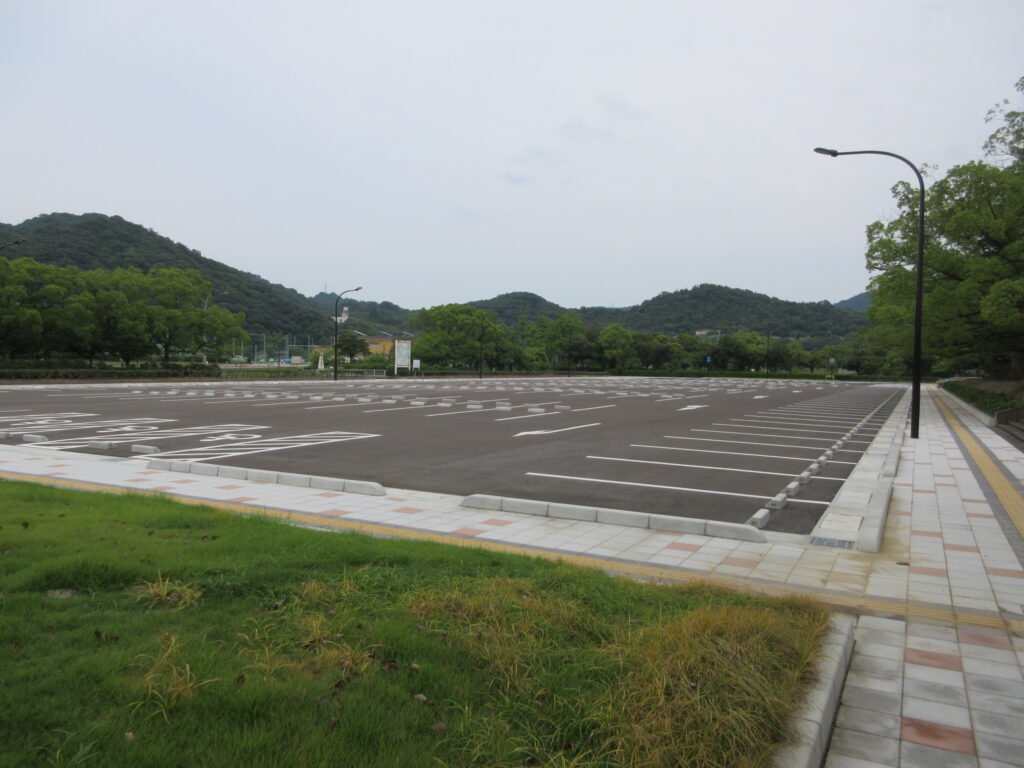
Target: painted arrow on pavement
[
  {"x": 553, "y": 431},
  {"x": 691, "y": 407}
]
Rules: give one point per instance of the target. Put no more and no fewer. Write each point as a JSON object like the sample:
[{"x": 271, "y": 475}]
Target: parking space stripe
[
  {"x": 746, "y": 442},
  {"x": 670, "y": 488},
  {"x": 760, "y": 434},
  {"x": 780, "y": 429},
  {"x": 716, "y": 469},
  {"x": 737, "y": 453}
]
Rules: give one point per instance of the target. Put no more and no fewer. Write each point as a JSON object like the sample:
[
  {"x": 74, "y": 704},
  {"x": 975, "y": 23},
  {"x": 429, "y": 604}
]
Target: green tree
[
  {"x": 618, "y": 348},
  {"x": 974, "y": 263},
  {"x": 350, "y": 345},
  {"x": 458, "y": 336}
]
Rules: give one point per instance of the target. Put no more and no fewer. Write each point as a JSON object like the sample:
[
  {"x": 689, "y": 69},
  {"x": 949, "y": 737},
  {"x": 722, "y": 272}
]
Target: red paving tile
[
  {"x": 338, "y": 512},
  {"x": 1011, "y": 572},
  {"x": 328, "y": 494},
  {"x": 496, "y": 521},
  {"x": 933, "y": 659},
  {"x": 923, "y": 570},
  {"x": 228, "y": 487},
  {"x": 945, "y": 737},
  {"x": 408, "y": 510},
  {"x": 990, "y": 639},
  {"x": 961, "y": 547}
]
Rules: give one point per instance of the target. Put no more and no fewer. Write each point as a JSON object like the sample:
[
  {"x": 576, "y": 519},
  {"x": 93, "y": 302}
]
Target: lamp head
[{"x": 829, "y": 152}]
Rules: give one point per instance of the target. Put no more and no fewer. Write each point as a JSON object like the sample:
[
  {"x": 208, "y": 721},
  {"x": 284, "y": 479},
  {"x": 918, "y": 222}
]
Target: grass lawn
[{"x": 136, "y": 631}]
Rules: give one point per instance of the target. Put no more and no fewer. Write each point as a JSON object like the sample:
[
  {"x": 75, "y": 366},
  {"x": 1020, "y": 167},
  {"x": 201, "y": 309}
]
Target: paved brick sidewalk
[{"x": 936, "y": 673}]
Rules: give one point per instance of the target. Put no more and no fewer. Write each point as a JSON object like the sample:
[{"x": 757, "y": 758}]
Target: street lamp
[
  {"x": 350, "y": 290},
  {"x": 915, "y": 399}
]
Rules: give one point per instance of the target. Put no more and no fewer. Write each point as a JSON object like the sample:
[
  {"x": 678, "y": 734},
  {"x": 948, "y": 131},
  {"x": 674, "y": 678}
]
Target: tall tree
[{"x": 974, "y": 261}]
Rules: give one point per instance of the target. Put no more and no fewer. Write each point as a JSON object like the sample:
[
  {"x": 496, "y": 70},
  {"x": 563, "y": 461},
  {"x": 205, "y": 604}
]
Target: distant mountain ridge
[{"x": 93, "y": 240}]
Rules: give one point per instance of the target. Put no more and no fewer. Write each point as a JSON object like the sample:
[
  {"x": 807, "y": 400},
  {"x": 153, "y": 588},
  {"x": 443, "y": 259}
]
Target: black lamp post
[
  {"x": 350, "y": 290},
  {"x": 915, "y": 400}
]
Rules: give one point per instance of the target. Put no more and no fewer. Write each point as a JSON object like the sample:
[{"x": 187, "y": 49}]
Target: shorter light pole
[
  {"x": 915, "y": 391},
  {"x": 350, "y": 290}
]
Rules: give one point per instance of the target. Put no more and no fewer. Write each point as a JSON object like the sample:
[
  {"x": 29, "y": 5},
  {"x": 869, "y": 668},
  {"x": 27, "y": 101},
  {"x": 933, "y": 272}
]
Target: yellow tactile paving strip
[{"x": 1009, "y": 497}]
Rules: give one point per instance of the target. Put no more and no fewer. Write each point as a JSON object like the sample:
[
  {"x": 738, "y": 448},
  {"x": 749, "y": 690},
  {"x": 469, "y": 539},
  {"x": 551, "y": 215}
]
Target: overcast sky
[{"x": 593, "y": 152}]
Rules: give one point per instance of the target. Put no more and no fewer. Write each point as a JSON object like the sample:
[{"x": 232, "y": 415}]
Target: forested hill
[
  {"x": 715, "y": 307},
  {"x": 95, "y": 241}
]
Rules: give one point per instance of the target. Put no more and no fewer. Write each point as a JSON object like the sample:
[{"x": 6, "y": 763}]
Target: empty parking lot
[{"x": 710, "y": 448}]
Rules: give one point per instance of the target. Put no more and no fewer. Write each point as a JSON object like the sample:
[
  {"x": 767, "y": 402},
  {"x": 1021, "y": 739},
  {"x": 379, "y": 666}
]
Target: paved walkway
[{"x": 936, "y": 677}]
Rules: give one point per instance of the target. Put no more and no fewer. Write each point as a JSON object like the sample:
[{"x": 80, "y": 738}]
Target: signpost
[{"x": 403, "y": 354}]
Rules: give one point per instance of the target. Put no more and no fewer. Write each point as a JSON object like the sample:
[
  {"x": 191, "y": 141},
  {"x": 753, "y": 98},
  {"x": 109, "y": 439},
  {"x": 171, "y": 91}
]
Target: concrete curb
[
  {"x": 365, "y": 487},
  {"x": 856, "y": 517},
  {"x": 616, "y": 517},
  {"x": 812, "y": 724}
]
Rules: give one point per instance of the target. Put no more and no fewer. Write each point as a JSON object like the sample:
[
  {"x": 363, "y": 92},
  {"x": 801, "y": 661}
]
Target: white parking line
[
  {"x": 737, "y": 453},
  {"x": 716, "y": 469},
  {"x": 836, "y": 430},
  {"x": 750, "y": 442},
  {"x": 670, "y": 488},
  {"x": 760, "y": 434}
]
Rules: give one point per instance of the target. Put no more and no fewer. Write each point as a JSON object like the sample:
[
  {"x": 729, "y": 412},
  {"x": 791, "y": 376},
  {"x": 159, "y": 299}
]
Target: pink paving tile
[
  {"x": 989, "y": 639},
  {"x": 468, "y": 531},
  {"x": 496, "y": 521},
  {"x": 184, "y": 482},
  {"x": 161, "y": 488},
  {"x": 55, "y": 474},
  {"x": 939, "y": 736},
  {"x": 228, "y": 487},
  {"x": 932, "y": 659},
  {"x": 979, "y": 514},
  {"x": 946, "y": 485},
  {"x": 147, "y": 472},
  {"x": 59, "y": 466},
  {"x": 338, "y": 512},
  {"x": 742, "y": 562},
  {"x": 916, "y": 532},
  {"x": 923, "y": 490},
  {"x": 684, "y": 546},
  {"x": 242, "y": 499},
  {"x": 1013, "y": 573},
  {"x": 961, "y": 547},
  {"x": 936, "y": 474},
  {"x": 408, "y": 510},
  {"x": 328, "y": 494},
  {"x": 904, "y": 485},
  {"x": 393, "y": 498},
  {"x": 138, "y": 479},
  {"x": 923, "y": 570}
]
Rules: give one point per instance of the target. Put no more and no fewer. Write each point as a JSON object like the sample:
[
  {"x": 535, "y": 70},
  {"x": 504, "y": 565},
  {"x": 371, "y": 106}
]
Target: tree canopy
[
  {"x": 48, "y": 311},
  {"x": 974, "y": 262}
]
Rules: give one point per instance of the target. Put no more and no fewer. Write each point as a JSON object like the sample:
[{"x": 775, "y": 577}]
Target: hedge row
[{"x": 989, "y": 402}]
